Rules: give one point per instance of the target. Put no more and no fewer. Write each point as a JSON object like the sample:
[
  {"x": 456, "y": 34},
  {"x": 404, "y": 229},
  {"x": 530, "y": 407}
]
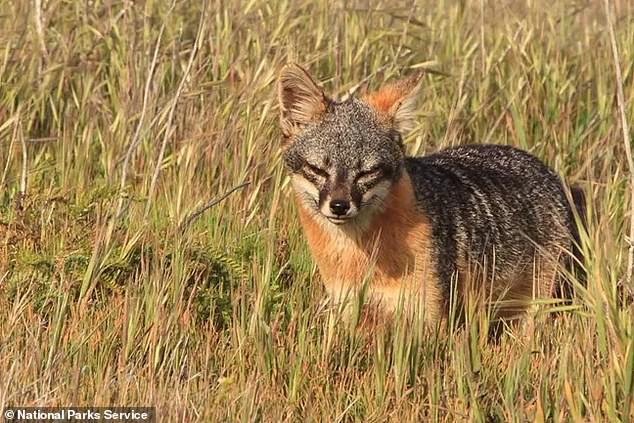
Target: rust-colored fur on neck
[{"x": 393, "y": 250}]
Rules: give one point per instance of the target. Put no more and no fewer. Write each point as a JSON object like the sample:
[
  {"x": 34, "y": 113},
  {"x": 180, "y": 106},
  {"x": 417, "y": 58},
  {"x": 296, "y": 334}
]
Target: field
[{"x": 121, "y": 283}]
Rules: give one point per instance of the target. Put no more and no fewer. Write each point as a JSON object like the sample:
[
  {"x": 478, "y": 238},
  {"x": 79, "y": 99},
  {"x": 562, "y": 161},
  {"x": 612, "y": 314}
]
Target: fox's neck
[{"x": 389, "y": 242}]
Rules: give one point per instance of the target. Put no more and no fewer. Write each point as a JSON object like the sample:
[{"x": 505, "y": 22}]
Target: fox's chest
[{"x": 392, "y": 253}]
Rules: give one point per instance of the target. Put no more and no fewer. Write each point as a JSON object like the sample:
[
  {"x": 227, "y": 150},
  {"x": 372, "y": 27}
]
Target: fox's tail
[
  {"x": 575, "y": 261},
  {"x": 580, "y": 205}
]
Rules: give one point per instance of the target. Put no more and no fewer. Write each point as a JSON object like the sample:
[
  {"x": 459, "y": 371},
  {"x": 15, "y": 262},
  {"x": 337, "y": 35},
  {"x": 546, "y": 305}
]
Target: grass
[{"x": 119, "y": 120}]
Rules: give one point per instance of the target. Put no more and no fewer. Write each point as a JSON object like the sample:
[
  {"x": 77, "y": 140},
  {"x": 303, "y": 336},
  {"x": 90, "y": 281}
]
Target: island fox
[{"x": 422, "y": 230}]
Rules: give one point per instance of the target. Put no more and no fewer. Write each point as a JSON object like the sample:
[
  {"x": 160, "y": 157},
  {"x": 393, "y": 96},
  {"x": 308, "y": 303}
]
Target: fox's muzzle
[{"x": 338, "y": 204}]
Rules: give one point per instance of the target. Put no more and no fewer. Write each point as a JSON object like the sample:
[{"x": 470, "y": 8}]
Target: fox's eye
[
  {"x": 315, "y": 171},
  {"x": 369, "y": 175}
]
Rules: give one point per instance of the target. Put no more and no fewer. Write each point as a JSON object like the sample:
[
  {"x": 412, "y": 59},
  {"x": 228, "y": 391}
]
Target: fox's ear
[
  {"x": 301, "y": 100},
  {"x": 395, "y": 103}
]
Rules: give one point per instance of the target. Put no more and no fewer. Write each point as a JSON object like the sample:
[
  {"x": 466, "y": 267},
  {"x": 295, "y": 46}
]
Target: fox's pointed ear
[
  {"x": 301, "y": 100},
  {"x": 395, "y": 104}
]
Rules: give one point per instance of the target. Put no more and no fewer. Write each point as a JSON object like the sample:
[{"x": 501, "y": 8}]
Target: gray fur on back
[{"x": 490, "y": 202}]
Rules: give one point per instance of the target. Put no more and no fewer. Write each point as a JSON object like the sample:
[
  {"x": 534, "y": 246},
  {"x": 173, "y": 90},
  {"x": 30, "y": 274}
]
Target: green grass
[{"x": 104, "y": 300}]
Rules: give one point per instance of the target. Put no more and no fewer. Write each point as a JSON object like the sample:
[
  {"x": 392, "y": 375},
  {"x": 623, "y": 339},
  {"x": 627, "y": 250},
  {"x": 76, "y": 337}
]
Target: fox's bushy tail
[{"x": 575, "y": 261}]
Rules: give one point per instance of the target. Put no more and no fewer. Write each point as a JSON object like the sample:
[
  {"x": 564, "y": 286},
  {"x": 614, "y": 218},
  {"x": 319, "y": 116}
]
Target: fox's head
[{"x": 343, "y": 156}]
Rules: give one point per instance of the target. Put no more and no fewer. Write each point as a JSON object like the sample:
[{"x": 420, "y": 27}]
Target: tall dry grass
[{"x": 119, "y": 120}]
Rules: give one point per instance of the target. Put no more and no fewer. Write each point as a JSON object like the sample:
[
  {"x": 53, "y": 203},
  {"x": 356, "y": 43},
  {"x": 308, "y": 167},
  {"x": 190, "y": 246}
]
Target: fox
[{"x": 418, "y": 231}]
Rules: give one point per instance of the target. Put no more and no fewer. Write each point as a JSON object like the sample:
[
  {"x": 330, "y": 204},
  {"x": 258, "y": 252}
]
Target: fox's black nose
[{"x": 339, "y": 207}]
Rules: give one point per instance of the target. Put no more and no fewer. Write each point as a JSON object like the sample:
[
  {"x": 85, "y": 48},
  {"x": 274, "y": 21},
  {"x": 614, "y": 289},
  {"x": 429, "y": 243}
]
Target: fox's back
[{"x": 490, "y": 203}]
